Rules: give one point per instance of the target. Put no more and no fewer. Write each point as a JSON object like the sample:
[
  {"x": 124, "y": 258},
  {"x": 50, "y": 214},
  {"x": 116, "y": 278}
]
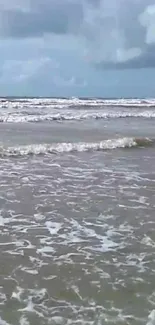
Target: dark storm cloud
[
  {"x": 145, "y": 60},
  {"x": 116, "y": 33},
  {"x": 41, "y": 17}
]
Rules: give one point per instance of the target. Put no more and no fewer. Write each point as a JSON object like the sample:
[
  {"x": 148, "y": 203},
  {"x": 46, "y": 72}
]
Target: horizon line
[{"x": 72, "y": 97}]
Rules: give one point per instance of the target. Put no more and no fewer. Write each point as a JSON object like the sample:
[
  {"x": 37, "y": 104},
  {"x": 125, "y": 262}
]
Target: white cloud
[
  {"x": 124, "y": 55},
  {"x": 147, "y": 19}
]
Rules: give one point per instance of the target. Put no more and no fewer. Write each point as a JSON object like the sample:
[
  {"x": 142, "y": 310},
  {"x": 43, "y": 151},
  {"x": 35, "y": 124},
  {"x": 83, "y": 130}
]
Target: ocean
[{"x": 77, "y": 211}]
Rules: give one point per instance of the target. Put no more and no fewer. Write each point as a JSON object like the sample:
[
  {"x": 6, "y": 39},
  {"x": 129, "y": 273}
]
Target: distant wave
[
  {"x": 24, "y": 110},
  {"x": 75, "y": 115},
  {"x": 58, "y": 148}
]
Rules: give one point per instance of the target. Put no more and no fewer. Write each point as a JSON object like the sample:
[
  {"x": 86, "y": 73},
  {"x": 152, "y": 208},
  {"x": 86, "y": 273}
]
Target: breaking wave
[
  {"x": 77, "y": 115},
  {"x": 56, "y": 148},
  {"x": 74, "y": 102},
  {"x": 49, "y": 109}
]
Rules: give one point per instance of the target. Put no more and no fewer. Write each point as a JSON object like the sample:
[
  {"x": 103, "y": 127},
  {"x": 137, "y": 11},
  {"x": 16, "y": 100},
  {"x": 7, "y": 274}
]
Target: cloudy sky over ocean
[{"x": 77, "y": 48}]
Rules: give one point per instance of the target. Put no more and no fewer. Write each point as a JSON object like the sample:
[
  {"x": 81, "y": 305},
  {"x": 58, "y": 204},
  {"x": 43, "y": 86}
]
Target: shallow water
[{"x": 77, "y": 207}]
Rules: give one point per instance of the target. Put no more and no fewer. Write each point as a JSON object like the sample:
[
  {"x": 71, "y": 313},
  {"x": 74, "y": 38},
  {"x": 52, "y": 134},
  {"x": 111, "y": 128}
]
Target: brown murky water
[{"x": 77, "y": 216}]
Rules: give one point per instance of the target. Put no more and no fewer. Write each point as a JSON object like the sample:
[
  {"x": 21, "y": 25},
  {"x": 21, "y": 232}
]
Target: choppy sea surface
[{"x": 77, "y": 211}]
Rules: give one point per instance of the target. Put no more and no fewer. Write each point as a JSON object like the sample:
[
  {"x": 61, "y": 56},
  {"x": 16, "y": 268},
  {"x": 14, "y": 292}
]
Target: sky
[{"x": 96, "y": 48}]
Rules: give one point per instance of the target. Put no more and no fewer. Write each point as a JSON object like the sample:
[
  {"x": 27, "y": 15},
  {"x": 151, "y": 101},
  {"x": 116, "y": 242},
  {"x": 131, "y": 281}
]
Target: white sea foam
[
  {"x": 39, "y": 110},
  {"x": 42, "y": 149},
  {"x": 23, "y": 321},
  {"x": 45, "y": 251},
  {"x": 151, "y": 318},
  {"x": 76, "y": 115},
  {"x": 67, "y": 102},
  {"x": 3, "y": 322},
  {"x": 53, "y": 227}
]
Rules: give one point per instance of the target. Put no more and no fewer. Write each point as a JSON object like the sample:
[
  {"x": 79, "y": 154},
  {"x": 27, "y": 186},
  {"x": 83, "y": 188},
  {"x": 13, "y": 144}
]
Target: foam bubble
[
  {"x": 151, "y": 318},
  {"x": 23, "y": 321},
  {"x": 17, "y": 293},
  {"x": 3, "y": 322},
  {"x": 45, "y": 250},
  {"x": 53, "y": 227}
]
